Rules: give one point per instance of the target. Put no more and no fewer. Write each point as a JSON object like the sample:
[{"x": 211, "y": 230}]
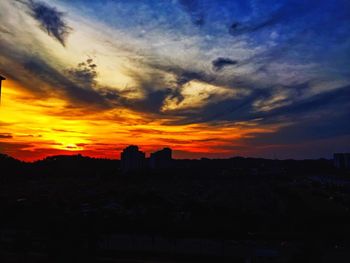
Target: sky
[{"x": 208, "y": 78}]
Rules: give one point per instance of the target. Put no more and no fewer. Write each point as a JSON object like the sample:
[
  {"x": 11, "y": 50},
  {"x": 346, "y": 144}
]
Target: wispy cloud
[{"x": 176, "y": 62}]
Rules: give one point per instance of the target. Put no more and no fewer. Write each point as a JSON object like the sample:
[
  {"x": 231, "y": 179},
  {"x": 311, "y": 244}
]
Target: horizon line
[{"x": 190, "y": 159}]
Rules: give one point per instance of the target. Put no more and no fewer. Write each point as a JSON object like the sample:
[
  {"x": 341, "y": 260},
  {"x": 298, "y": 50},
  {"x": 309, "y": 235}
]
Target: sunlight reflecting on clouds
[{"x": 44, "y": 126}]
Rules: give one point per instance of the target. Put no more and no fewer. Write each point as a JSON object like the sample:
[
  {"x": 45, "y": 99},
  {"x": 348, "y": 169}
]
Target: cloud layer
[{"x": 274, "y": 64}]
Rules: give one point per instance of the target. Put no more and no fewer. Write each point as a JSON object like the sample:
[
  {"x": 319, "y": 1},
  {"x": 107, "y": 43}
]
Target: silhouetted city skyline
[
  {"x": 132, "y": 159},
  {"x": 174, "y": 131},
  {"x": 221, "y": 210}
]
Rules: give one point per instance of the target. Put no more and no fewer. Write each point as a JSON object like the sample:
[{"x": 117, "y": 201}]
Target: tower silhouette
[
  {"x": 132, "y": 159},
  {"x": 161, "y": 159},
  {"x": 1, "y": 79}
]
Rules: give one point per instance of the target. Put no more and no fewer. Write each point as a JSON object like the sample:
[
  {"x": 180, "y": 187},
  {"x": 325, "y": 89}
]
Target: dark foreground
[{"x": 77, "y": 209}]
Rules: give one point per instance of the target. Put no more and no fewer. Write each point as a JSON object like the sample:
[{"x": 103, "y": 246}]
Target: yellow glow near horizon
[
  {"x": 33, "y": 128},
  {"x": 27, "y": 120}
]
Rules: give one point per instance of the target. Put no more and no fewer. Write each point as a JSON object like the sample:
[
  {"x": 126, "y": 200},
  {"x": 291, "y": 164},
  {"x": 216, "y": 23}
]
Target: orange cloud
[{"x": 37, "y": 127}]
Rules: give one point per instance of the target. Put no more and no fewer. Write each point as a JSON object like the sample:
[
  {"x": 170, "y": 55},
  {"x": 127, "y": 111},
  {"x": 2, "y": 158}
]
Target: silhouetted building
[
  {"x": 132, "y": 159},
  {"x": 342, "y": 160},
  {"x": 161, "y": 159},
  {"x": 1, "y": 79}
]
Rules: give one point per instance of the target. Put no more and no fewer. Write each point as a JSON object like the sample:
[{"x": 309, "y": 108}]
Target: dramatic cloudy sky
[{"x": 210, "y": 78}]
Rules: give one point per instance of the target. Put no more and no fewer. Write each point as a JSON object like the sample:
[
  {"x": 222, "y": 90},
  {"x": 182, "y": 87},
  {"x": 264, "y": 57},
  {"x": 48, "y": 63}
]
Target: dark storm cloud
[
  {"x": 152, "y": 102},
  {"x": 156, "y": 89},
  {"x": 63, "y": 83},
  {"x": 319, "y": 117},
  {"x": 57, "y": 79},
  {"x": 184, "y": 76},
  {"x": 221, "y": 62},
  {"x": 231, "y": 109},
  {"x": 85, "y": 73},
  {"x": 155, "y": 99},
  {"x": 335, "y": 103},
  {"x": 51, "y": 20},
  {"x": 78, "y": 85},
  {"x": 238, "y": 109}
]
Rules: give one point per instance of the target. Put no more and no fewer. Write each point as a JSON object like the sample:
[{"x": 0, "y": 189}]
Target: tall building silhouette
[
  {"x": 342, "y": 160},
  {"x": 132, "y": 159},
  {"x": 161, "y": 159},
  {"x": 1, "y": 79}
]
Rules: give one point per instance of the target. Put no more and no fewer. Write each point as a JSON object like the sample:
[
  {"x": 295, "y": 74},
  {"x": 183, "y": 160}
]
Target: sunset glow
[
  {"x": 43, "y": 128},
  {"x": 150, "y": 74}
]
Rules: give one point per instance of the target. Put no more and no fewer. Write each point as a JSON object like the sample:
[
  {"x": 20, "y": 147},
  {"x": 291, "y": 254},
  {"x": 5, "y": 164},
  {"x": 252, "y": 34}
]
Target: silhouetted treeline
[
  {"x": 241, "y": 166},
  {"x": 78, "y": 165}
]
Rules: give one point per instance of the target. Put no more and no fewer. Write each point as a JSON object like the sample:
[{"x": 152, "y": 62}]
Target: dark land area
[{"x": 80, "y": 209}]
